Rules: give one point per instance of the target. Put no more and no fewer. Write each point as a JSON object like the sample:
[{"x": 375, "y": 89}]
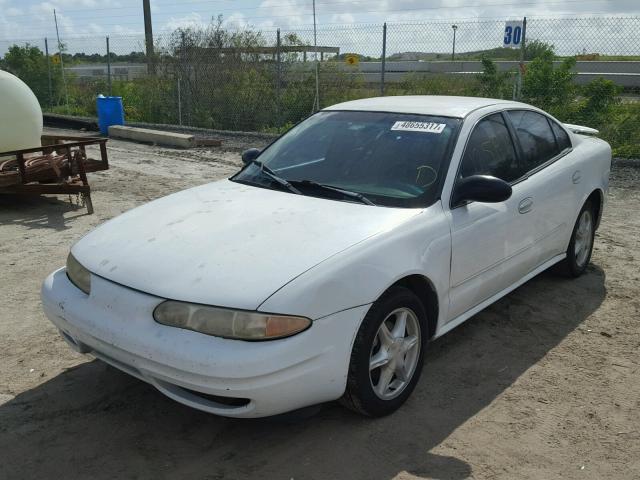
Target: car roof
[{"x": 447, "y": 106}]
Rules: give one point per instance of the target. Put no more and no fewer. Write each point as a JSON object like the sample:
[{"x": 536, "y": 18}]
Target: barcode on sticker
[{"x": 427, "y": 127}]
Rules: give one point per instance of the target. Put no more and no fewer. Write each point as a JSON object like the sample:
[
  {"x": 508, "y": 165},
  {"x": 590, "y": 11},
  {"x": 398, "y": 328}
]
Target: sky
[
  {"x": 22, "y": 20},
  {"x": 25, "y": 19}
]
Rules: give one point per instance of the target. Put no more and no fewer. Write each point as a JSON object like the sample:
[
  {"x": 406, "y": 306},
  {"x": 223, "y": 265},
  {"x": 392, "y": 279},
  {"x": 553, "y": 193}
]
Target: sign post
[
  {"x": 522, "y": 66},
  {"x": 515, "y": 37}
]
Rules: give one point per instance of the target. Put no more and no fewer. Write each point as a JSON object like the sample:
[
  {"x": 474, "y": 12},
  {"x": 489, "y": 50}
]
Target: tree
[
  {"x": 226, "y": 78},
  {"x": 537, "y": 48},
  {"x": 600, "y": 96},
  {"x": 493, "y": 83},
  {"x": 29, "y": 64},
  {"x": 550, "y": 88}
]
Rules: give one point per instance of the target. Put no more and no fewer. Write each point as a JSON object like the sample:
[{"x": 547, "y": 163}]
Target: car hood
[{"x": 225, "y": 243}]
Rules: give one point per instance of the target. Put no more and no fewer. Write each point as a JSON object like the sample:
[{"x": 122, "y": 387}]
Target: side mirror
[
  {"x": 249, "y": 155},
  {"x": 481, "y": 188}
]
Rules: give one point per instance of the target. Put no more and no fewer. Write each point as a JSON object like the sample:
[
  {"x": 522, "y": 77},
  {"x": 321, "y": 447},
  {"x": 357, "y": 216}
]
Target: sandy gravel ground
[{"x": 545, "y": 384}]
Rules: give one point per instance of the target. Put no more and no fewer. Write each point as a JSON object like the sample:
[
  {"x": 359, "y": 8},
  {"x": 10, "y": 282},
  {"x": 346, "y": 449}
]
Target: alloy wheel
[
  {"x": 395, "y": 353},
  {"x": 584, "y": 238}
]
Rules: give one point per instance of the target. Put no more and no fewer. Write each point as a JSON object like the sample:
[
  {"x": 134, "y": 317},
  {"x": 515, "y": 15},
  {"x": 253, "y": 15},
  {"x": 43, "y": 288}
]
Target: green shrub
[
  {"x": 622, "y": 130},
  {"x": 278, "y": 130},
  {"x": 493, "y": 83},
  {"x": 599, "y": 99},
  {"x": 436, "y": 84},
  {"x": 551, "y": 89}
]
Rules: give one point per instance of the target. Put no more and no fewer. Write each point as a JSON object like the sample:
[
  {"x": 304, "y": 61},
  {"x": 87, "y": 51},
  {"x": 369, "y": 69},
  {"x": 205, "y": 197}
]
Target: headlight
[
  {"x": 225, "y": 323},
  {"x": 79, "y": 276}
]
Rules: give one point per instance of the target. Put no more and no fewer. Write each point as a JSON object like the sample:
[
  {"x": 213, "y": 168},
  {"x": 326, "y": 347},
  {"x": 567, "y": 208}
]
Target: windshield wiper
[
  {"x": 274, "y": 176},
  {"x": 346, "y": 193}
]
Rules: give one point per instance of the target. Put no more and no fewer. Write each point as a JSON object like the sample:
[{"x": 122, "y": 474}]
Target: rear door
[
  {"x": 548, "y": 162},
  {"x": 491, "y": 242}
]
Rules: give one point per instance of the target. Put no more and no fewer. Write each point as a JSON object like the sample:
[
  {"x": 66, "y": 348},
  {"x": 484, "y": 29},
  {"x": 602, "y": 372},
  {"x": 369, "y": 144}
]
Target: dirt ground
[{"x": 544, "y": 384}]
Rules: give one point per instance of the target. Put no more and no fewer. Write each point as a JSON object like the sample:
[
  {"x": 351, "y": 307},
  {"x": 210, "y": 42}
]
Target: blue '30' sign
[{"x": 512, "y": 34}]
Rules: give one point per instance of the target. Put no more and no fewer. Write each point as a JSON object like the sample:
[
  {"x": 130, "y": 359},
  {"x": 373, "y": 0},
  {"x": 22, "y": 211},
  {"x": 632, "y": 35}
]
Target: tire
[
  {"x": 403, "y": 348},
  {"x": 581, "y": 243}
]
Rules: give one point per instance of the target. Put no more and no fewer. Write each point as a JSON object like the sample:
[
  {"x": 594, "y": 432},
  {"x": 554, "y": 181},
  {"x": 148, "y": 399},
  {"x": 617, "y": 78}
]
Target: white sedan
[{"x": 323, "y": 268}]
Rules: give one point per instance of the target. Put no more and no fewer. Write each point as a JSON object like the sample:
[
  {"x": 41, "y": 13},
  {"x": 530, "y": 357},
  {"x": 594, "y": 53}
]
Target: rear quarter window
[{"x": 562, "y": 137}]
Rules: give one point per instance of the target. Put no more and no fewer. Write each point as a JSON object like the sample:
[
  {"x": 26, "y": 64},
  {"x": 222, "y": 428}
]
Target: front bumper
[{"x": 115, "y": 324}]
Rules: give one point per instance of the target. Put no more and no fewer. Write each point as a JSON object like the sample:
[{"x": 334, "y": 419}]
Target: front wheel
[
  {"x": 581, "y": 244},
  {"x": 387, "y": 356}
]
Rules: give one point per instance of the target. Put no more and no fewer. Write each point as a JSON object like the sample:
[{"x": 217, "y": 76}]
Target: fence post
[
  {"x": 521, "y": 64},
  {"x": 278, "y": 79},
  {"x": 46, "y": 51},
  {"x": 184, "y": 75},
  {"x": 179, "y": 103},
  {"x": 108, "y": 66},
  {"x": 384, "y": 58}
]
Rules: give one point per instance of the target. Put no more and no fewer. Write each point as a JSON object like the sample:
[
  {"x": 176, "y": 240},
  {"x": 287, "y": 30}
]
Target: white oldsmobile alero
[{"x": 322, "y": 269}]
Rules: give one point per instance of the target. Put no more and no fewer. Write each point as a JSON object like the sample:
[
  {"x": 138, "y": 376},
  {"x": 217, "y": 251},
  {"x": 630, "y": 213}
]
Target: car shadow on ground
[
  {"x": 94, "y": 422},
  {"x": 37, "y": 212}
]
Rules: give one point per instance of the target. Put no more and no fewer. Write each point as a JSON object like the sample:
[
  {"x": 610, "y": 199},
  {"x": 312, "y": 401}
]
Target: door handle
[
  {"x": 525, "y": 205},
  {"x": 576, "y": 177}
]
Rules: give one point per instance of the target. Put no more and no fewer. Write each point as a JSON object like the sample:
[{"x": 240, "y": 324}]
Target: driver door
[{"x": 490, "y": 242}]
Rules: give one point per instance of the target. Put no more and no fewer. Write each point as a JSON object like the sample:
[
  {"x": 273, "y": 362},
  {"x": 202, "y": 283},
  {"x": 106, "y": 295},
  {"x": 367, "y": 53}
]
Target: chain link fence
[{"x": 584, "y": 70}]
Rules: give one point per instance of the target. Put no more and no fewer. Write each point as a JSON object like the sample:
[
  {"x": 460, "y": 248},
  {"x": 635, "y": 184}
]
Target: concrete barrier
[{"x": 146, "y": 135}]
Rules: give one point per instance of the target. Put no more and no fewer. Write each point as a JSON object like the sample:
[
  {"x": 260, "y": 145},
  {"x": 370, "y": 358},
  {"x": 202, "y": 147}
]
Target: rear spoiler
[{"x": 581, "y": 130}]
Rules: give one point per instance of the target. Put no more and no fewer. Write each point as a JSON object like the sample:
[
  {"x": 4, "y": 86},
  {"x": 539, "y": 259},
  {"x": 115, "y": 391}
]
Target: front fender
[{"x": 359, "y": 275}]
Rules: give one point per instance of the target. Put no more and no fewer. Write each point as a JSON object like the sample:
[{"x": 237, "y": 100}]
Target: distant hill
[{"x": 498, "y": 53}]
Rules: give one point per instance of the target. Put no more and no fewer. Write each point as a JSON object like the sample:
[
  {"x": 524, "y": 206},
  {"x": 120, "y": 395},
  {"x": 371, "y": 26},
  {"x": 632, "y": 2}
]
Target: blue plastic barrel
[{"x": 110, "y": 112}]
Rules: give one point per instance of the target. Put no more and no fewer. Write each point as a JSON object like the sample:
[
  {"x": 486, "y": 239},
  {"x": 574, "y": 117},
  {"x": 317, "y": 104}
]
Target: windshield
[{"x": 390, "y": 159}]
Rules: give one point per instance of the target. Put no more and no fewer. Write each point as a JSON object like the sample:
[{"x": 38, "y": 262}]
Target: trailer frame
[{"x": 69, "y": 180}]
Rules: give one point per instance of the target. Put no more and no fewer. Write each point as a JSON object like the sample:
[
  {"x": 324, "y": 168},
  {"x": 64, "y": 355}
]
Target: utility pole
[
  {"x": 64, "y": 80},
  {"x": 148, "y": 35},
  {"x": 46, "y": 50},
  {"x": 453, "y": 53}
]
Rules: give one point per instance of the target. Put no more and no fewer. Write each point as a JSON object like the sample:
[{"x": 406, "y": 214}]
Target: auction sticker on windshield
[{"x": 427, "y": 127}]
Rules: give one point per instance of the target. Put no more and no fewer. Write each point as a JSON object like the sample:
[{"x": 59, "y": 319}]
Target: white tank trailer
[{"x": 20, "y": 115}]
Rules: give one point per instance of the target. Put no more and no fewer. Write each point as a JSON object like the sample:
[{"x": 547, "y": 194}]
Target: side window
[
  {"x": 561, "y": 136},
  {"x": 536, "y": 137},
  {"x": 490, "y": 151}
]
